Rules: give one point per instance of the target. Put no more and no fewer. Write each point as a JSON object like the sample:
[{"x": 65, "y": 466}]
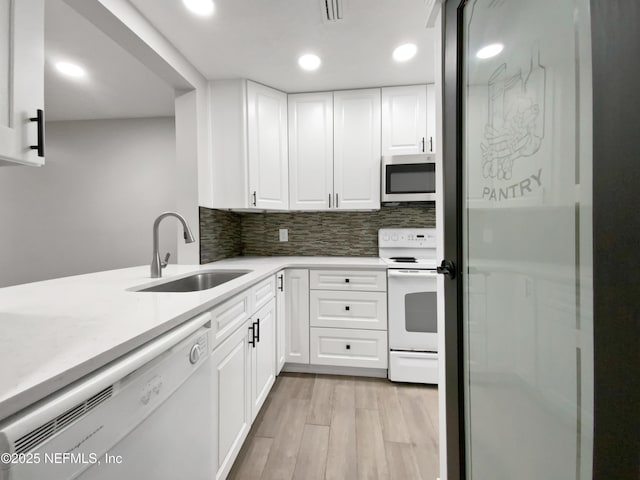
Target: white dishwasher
[{"x": 147, "y": 415}]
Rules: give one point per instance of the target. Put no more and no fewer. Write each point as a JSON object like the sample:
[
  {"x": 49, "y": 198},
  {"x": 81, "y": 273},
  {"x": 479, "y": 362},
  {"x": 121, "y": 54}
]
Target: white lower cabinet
[
  {"x": 281, "y": 351},
  {"x": 349, "y": 347},
  {"x": 243, "y": 367},
  {"x": 263, "y": 355},
  {"x": 231, "y": 370},
  {"x": 348, "y": 318},
  {"x": 273, "y": 322},
  {"x": 296, "y": 291}
]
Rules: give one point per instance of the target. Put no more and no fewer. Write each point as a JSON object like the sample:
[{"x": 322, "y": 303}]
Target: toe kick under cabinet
[{"x": 348, "y": 318}]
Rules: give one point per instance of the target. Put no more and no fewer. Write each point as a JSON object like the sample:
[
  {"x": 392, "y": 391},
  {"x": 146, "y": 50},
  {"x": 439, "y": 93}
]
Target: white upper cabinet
[
  {"x": 249, "y": 158},
  {"x": 356, "y": 162},
  {"x": 404, "y": 120},
  {"x": 311, "y": 151},
  {"x": 431, "y": 118},
  {"x": 268, "y": 157},
  {"x": 21, "y": 82}
]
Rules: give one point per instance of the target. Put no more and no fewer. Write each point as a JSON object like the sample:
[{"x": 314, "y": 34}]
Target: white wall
[{"x": 92, "y": 206}]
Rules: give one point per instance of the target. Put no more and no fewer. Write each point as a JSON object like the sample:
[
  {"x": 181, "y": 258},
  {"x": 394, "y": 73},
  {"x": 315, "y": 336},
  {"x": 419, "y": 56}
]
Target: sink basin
[{"x": 197, "y": 282}]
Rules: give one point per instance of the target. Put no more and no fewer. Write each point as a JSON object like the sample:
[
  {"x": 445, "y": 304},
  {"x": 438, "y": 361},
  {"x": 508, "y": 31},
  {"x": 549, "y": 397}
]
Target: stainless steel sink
[{"x": 196, "y": 282}]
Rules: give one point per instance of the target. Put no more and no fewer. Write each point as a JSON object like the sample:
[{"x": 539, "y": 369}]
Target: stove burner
[{"x": 404, "y": 259}]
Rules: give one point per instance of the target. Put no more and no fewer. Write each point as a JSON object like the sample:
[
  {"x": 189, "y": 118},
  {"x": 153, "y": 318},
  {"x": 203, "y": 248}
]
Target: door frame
[
  {"x": 452, "y": 226},
  {"x": 616, "y": 117}
]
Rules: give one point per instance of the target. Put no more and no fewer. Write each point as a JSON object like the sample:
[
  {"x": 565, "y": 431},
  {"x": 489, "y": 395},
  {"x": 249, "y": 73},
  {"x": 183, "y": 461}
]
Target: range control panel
[{"x": 407, "y": 238}]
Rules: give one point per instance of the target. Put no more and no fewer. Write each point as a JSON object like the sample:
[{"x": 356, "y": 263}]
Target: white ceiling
[
  {"x": 262, "y": 40},
  {"x": 116, "y": 86}
]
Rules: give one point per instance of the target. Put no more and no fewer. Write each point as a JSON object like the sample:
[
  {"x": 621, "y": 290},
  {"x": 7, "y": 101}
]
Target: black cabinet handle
[
  {"x": 431, "y": 144},
  {"x": 252, "y": 339},
  {"x": 346, "y": 280},
  {"x": 347, "y": 308},
  {"x": 257, "y": 330},
  {"x": 255, "y": 200},
  {"x": 39, "y": 119},
  {"x": 329, "y": 200},
  {"x": 281, "y": 287},
  {"x": 348, "y": 347},
  {"x": 337, "y": 201},
  {"x": 423, "y": 144}
]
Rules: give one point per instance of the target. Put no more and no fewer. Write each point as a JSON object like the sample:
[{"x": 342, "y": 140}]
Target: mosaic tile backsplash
[
  {"x": 220, "y": 235},
  {"x": 225, "y": 234}
]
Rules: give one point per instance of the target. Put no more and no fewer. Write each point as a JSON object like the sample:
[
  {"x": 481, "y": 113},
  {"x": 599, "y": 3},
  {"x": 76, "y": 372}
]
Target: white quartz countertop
[{"x": 53, "y": 333}]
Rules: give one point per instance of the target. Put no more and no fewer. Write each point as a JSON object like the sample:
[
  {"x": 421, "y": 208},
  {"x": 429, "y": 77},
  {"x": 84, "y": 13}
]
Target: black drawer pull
[
  {"x": 348, "y": 347},
  {"x": 346, "y": 280},
  {"x": 252, "y": 339},
  {"x": 347, "y": 308}
]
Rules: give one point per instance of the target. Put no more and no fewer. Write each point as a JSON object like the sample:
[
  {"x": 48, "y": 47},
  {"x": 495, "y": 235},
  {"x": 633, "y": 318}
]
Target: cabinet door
[
  {"x": 357, "y": 149},
  {"x": 404, "y": 120},
  {"x": 263, "y": 356},
  {"x": 268, "y": 157},
  {"x": 296, "y": 287},
  {"x": 21, "y": 80},
  {"x": 431, "y": 118},
  {"x": 231, "y": 370},
  {"x": 280, "y": 322},
  {"x": 311, "y": 151}
]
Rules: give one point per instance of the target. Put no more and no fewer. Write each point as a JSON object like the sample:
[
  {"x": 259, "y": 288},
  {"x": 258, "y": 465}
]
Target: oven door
[{"x": 413, "y": 313}]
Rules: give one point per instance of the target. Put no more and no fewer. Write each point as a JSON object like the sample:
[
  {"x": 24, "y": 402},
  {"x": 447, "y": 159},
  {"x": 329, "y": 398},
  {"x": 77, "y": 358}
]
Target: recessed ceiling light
[
  {"x": 199, "y": 7},
  {"x": 71, "y": 69},
  {"x": 309, "y": 62},
  {"x": 405, "y": 52},
  {"x": 490, "y": 50}
]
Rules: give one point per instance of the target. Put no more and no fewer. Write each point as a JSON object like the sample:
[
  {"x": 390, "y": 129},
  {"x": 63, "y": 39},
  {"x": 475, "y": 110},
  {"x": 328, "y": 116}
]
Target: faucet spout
[{"x": 156, "y": 263}]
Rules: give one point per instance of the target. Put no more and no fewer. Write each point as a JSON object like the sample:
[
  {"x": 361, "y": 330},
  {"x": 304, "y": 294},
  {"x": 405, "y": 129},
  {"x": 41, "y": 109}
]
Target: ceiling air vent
[
  {"x": 38, "y": 436},
  {"x": 334, "y": 10}
]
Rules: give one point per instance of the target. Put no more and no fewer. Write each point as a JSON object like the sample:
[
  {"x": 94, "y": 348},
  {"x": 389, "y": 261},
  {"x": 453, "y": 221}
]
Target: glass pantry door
[{"x": 527, "y": 249}]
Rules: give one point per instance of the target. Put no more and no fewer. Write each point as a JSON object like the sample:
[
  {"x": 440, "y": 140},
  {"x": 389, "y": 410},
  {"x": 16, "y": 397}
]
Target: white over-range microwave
[{"x": 408, "y": 178}]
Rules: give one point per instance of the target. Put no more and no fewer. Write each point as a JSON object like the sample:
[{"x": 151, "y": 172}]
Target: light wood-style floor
[{"x": 334, "y": 427}]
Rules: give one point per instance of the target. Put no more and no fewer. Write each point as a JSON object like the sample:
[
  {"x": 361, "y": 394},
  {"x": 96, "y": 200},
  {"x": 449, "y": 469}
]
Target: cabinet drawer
[
  {"x": 340, "y": 309},
  {"x": 348, "y": 348},
  {"x": 262, "y": 293},
  {"x": 362, "y": 280},
  {"x": 225, "y": 318}
]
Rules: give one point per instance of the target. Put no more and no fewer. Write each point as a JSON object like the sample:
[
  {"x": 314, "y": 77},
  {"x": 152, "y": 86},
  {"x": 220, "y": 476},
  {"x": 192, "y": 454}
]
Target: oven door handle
[{"x": 412, "y": 273}]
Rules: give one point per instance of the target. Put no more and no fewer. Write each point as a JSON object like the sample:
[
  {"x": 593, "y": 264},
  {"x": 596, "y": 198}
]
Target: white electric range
[{"x": 410, "y": 254}]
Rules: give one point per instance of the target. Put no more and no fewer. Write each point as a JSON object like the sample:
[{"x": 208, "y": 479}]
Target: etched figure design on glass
[{"x": 515, "y": 124}]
